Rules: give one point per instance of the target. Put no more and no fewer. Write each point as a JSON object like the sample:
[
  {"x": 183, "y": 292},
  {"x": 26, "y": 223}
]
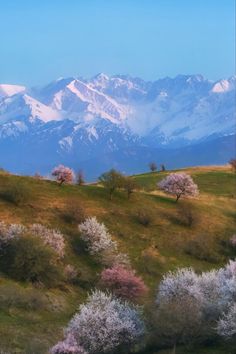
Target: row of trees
[{"x": 178, "y": 184}]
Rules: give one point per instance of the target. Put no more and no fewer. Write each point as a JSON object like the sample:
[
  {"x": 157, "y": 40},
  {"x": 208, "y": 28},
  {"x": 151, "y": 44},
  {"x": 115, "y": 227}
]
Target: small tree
[
  {"x": 153, "y": 166},
  {"x": 179, "y": 184},
  {"x": 163, "y": 168},
  {"x": 123, "y": 282},
  {"x": 96, "y": 236},
  {"x": 80, "y": 178},
  {"x": 129, "y": 185},
  {"x": 111, "y": 180},
  {"x": 63, "y": 174},
  {"x": 232, "y": 162}
]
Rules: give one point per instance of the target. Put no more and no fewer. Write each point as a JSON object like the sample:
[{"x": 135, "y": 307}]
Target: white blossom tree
[
  {"x": 227, "y": 324},
  {"x": 106, "y": 324},
  {"x": 9, "y": 232},
  {"x": 63, "y": 174},
  {"x": 96, "y": 236},
  {"x": 68, "y": 346},
  {"x": 50, "y": 237},
  {"x": 179, "y": 184}
]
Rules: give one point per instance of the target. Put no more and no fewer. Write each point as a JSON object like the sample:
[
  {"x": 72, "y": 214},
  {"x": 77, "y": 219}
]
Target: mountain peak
[{"x": 10, "y": 90}]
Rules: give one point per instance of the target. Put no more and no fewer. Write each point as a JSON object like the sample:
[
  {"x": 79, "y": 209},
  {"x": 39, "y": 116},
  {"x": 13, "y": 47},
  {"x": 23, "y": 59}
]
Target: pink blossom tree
[
  {"x": 179, "y": 184},
  {"x": 123, "y": 282},
  {"x": 63, "y": 174}
]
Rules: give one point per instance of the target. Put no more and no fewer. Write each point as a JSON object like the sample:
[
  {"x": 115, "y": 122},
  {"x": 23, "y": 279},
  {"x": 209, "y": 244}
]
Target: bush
[
  {"x": 17, "y": 193},
  {"x": 14, "y": 296},
  {"x": 187, "y": 214},
  {"x": 27, "y": 259},
  {"x": 202, "y": 248},
  {"x": 144, "y": 217},
  {"x": 74, "y": 212},
  {"x": 123, "y": 282}
]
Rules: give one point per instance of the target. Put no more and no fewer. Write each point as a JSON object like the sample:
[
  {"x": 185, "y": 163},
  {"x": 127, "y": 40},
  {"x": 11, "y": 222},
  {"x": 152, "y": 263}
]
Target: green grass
[{"x": 153, "y": 250}]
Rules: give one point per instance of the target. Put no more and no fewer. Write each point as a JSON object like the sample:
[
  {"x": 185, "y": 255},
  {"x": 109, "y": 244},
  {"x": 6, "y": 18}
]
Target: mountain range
[{"x": 117, "y": 121}]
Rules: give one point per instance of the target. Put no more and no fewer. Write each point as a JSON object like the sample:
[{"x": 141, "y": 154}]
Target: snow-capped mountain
[{"x": 77, "y": 121}]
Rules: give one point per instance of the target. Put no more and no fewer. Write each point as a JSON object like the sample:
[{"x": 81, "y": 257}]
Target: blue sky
[{"x": 44, "y": 39}]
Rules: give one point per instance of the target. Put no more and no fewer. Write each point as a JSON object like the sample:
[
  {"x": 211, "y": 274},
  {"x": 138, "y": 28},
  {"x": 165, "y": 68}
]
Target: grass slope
[{"x": 153, "y": 250}]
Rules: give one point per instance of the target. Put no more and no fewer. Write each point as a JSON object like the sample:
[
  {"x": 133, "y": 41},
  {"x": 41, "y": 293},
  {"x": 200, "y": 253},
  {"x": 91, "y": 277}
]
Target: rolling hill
[{"x": 154, "y": 249}]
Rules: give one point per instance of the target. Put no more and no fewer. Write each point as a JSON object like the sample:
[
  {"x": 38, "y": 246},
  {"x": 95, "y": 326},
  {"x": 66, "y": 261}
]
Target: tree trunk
[
  {"x": 178, "y": 196},
  {"x": 173, "y": 351}
]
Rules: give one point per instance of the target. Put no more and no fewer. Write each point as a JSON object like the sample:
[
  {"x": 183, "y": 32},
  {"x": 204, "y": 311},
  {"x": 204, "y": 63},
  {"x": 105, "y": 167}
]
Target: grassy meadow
[{"x": 168, "y": 238}]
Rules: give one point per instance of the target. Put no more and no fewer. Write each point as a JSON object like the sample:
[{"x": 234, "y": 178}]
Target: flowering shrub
[
  {"x": 9, "y": 232},
  {"x": 26, "y": 258},
  {"x": 227, "y": 324},
  {"x": 68, "y": 346},
  {"x": 96, "y": 236},
  {"x": 179, "y": 184},
  {"x": 50, "y": 237},
  {"x": 63, "y": 174},
  {"x": 123, "y": 282},
  {"x": 105, "y": 324}
]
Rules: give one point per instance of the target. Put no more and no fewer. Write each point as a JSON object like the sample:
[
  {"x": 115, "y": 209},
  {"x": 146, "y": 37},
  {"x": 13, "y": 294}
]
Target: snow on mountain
[
  {"x": 73, "y": 120},
  {"x": 225, "y": 85},
  {"x": 10, "y": 90},
  {"x": 23, "y": 106}
]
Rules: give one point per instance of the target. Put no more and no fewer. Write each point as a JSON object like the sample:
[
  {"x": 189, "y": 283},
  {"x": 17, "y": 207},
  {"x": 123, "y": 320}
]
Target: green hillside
[{"x": 167, "y": 241}]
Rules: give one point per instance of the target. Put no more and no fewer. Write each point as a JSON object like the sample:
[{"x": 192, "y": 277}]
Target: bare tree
[
  {"x": 153, "y": 166},
  {"x": 80, "y": 178}
]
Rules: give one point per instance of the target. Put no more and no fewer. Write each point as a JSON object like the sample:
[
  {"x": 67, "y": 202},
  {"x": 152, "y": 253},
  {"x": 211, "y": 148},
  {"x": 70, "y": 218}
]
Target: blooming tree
[
  {"x": 96, "y": 236},
  {"x": 179, "y": 184},
  {"x": 196, "y": 302},
  {"x": 123, "y": 282},
  {"x": 227, "y": 324},
  {"x": 50, "y": 237},
  {"x": 177, "y": 284},
  {"x": 105, "y": 324},
  {"x": 68, "y": 346},
  {"x": 63, "y": 174},
  {"x": 9, "y": 232}
]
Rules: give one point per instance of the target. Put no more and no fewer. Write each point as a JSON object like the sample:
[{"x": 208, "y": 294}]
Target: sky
[{"x": 42, "y": 40}]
